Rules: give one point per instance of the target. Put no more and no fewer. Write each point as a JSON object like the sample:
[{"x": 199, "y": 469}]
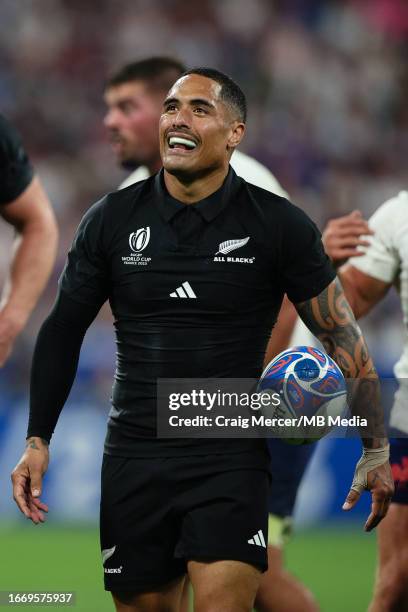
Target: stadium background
[{"x": 327, "y": 84}]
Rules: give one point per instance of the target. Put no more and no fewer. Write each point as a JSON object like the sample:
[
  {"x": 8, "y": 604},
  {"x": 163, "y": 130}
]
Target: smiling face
[
  {"x": 131, "y": 120},
  {"x": 198, "y": 131}
]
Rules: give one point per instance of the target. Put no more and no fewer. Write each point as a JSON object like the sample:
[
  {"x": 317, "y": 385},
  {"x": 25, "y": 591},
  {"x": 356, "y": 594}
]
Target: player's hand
[
  {"x": 27, "y": 480},
  {"x": 380, "y": 482},
  {"x": 342, "y": 236}
]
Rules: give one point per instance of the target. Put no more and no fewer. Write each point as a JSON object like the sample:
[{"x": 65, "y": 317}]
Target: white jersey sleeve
[
  {"x": 382, "y": 259},
  {"x": 386, "y": 259},
  {"x": 254, "y": 172},
  {"x": 140, "y": 174}
]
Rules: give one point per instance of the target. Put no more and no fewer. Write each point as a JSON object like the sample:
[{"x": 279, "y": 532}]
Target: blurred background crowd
[{"x": 327, "y": 86}]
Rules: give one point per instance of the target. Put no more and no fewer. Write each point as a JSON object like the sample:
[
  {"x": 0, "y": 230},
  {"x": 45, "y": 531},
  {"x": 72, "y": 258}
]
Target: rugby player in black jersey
[
  {"x": 174, "y": 506},
  {"x": 134, "y": 94},
  {"x": 26, "y": 207}
]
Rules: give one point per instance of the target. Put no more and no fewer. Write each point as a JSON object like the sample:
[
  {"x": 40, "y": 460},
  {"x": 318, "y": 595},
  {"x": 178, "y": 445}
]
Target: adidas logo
[
  {"x": 258, "y": 539},
  {"x": 185, "y": 291}
]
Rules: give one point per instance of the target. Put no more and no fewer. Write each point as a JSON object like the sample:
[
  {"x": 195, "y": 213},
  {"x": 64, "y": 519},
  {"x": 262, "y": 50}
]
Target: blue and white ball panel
[{"x": 309, "y": 383}]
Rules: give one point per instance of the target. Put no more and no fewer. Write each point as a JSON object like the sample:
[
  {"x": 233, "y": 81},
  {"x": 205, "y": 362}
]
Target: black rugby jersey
[
  {"x": 194, "y": 289},
  {"x": 16, "y": 171}
]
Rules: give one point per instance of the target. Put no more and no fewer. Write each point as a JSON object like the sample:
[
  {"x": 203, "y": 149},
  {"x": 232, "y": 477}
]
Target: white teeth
[{"x": 174, "y": 140}]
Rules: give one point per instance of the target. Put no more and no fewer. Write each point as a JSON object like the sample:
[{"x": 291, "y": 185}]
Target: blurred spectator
[{"x": 326, "y": 82}]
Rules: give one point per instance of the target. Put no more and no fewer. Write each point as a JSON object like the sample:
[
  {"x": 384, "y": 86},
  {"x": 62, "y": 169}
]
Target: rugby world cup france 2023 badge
[{"x": 138, "y": 241}]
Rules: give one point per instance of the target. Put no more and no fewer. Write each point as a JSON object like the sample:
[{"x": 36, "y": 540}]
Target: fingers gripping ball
[{"x": 312, "y": 390}]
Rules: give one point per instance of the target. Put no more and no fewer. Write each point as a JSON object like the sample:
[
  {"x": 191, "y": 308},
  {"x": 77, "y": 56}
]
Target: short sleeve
[
  {"x": 16, "y": 171},
  {"x": 85, "y": 277},
  {"x": 381, "y": 258},
  {"x": 306, "y": 270}
]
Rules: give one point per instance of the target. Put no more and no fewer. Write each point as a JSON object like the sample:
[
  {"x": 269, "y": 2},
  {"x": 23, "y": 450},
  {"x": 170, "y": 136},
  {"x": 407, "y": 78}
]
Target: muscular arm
[
  {"x": 330, "y": 318},
  {"x": 33, "y": 258}
]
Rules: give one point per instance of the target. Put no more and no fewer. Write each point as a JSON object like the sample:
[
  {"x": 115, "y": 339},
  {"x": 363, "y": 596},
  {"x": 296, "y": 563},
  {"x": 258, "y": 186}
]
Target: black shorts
[
  {"x": 288, "y": 465},
  {"x": 159, "y": 513}
]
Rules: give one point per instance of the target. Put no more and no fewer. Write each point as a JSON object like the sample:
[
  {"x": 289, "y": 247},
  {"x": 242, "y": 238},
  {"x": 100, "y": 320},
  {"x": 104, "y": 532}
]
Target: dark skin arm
[{"x": 330, "y": 318}]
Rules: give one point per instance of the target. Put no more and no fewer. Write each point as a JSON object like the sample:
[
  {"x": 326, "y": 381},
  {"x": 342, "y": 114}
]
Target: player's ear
[{"x": 236, "y": 135}]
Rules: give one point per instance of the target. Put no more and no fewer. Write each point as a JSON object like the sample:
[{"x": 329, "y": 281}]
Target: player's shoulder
[
  {"x": 134, "y": 193},
  {"x": 10, "y": 140},
  {"x": 7, "y": 131},
  {"x": 398, "y": 202},
  {"x": 276, "y": 215},
  {"x": 272, "y": 204},
  {"x": 115, "y": 207},
  {"x": 252, "y": 171},
  {"x": 391, "y": 214}
]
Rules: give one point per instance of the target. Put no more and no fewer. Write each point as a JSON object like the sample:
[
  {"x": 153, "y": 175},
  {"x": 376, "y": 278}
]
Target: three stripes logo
[
  {"x": 258, "y": 539},
  {"x": 185, "y": 291}
]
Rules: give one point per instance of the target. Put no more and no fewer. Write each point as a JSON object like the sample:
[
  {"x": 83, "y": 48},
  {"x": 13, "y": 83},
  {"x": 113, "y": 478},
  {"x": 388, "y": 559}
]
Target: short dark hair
[
  {"x": 231, "y": 93},
  {"x": 158, "y": 72}
]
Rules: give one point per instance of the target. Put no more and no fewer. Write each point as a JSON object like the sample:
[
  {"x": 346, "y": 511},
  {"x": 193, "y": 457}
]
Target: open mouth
[{"x": 181, "y": 143}]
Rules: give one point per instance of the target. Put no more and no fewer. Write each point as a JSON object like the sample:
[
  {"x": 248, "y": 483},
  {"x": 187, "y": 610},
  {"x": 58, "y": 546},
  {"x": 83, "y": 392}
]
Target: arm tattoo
[
  {"x": 32, "y": 443},
  {"x": 330, "y": 318}
]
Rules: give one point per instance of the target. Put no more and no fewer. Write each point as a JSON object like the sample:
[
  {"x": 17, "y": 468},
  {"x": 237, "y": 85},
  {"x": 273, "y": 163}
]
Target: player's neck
[
  {"x": 190, "y": 191},
  {"x": 154, "y": 165}
]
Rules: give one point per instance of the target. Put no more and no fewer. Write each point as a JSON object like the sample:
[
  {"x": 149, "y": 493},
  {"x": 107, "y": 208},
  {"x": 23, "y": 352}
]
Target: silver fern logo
[
  {"x": 231, "y": 245},
  {"x": 140, "y": 239},
  {"x": 107, "y": 553}
]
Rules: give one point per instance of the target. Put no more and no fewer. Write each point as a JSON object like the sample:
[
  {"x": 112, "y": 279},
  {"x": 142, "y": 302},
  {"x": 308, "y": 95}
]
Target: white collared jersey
[
  {"x": 386, "y": 259},
  {"x": 245, "y": 166}
]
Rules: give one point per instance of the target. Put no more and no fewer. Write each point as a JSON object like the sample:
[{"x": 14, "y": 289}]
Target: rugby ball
[{"x": 312, "y": 391}]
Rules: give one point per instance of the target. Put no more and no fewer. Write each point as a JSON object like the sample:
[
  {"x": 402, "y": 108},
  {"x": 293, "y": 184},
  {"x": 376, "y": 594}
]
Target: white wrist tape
[{"x": 371, "y": 458}]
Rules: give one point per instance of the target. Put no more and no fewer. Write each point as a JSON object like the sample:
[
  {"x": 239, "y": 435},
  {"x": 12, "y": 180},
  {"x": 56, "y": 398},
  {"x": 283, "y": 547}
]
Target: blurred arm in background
[
  {"x": 362, "y": 291},
  {"x": 26, "y": 207},
  {"x": 34, "y": 252}
]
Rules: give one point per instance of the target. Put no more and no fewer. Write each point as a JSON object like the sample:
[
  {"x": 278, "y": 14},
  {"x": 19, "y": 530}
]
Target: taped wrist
[{"x": 370, "y": 459}]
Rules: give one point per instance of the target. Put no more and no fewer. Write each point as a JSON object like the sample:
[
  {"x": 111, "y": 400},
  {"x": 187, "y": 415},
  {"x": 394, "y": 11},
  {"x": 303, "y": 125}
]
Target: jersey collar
[{"x": 209, "y": 208}]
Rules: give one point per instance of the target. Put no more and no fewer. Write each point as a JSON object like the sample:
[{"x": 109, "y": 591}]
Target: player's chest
[{"x": 222, "y": 269}]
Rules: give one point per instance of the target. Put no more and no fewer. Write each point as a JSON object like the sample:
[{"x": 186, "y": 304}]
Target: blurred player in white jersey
[
  {"x": 134, "y": 96},
  {"x": 366, "y": 280}
]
